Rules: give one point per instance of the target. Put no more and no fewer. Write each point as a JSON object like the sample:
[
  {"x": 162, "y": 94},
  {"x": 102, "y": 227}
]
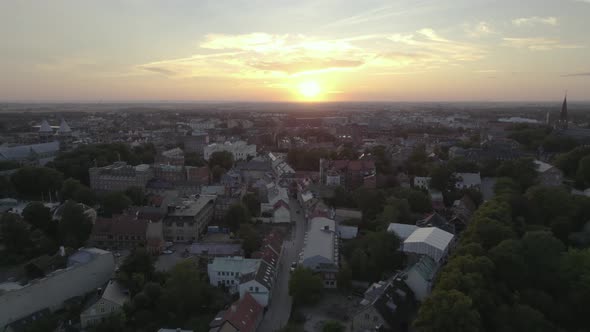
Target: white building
[
  {"x": 468, "y": 180},
  {"x": 111, "y": 301},
  {"x": 429, "y": 241},
  {"x": 87, "y": 270},
  {"x": 422, "y": 182},
  {"x": 320, "y": 252},
  {"x": 403, "y": 231},
  {"x": 281, "y": 213},
  {"x": 240, "y": 150},
  {"x": 226, "y": 271},
  {"x": 420, "y": 277},
  {"x": 258, "y": 283},
  {"x": 548, "y": 174}
]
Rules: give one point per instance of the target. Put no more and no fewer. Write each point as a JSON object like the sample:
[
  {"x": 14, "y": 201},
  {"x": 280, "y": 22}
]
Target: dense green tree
[
  {"x": 6, "y": 187},
  {"x": 37, "y": 182},
  {"x": 216, "y": 173},
  {"x": 374, "y": 255},
  {"x": 75, "y": 163},
  {"x": 506, "y": 185},
  {"x": 251, "y": 239},
  {"x": 85, "y": 195},
  {"x": 523, "y": 171},
  {"x": 583, "y": 172},
  {"x": 510, "y": 264},
  {"x": 519, "y": 318},
  {"x": 419, "y": 200},
  {"x": 305, "y": 286},
  {"x": 223, "y": 159},
  {"x": 74, "y": 226},
  {"x": 6, "y": 165},
  {"x": 16, "y": 234},
  {"x": 307, "y": 160},
  {"x": 569, "y": 162},
  {"x": 575, "y": 273},
  {"x": 74, "y": 190},
  {"x": 448, "y": 311},
  {"x": 549, "y": 203},
  {"x": 370, "y": 201},
  {"x": 137, "y": 269},
  {"x": 186, "y": 290},
  {"x": 333, "y": 326},
  {"x": 344, "y": 277},
  {"x": 38, "y": 215},
  {"x": 194, "y": 159},
  {"x": 542, "y": 253},
  {"x": 558, "y": 144},
  {"x": 236, "y": 215},
  {"x": 114, "y": 203},
  {"x": 251, "y": 201},
  {"x": 442, "y": 178},
  {"x": 342, "y": 198},
  {"x": 136, "y": 195}
]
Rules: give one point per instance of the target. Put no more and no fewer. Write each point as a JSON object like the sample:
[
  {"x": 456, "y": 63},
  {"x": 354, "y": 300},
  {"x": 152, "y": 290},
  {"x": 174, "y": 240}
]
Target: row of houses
[{"x": 254, "y": 276}]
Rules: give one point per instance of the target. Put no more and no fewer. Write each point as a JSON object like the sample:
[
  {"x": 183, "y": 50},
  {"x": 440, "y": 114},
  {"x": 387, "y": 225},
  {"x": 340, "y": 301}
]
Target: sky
[{"x": 294, "y": 50}]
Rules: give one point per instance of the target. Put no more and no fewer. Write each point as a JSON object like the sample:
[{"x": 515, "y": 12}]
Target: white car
[
  {"x": 168, "y": 252},
  {"x": 293, "y": 266}
]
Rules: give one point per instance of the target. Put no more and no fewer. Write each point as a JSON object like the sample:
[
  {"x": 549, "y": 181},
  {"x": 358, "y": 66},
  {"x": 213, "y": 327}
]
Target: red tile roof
[
  {"x": 120, "y": 224},
  {"x": 244, "y": 314},
  {"x": 280, "y": 203}
]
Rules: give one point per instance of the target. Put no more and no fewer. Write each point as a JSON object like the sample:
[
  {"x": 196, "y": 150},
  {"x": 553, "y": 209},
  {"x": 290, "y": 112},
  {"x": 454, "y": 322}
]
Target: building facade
[
  {"x": 188, "y": 218},
  {"x": 119, "y": 176}
]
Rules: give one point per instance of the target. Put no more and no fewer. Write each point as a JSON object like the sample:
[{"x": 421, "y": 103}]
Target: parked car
[
  {"x": 117, "y": 254},
  {"x": 168, "y": 252},
  {"x": 293, "y": 266}
]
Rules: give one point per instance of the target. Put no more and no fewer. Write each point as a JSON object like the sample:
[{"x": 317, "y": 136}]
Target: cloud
[
  {"x": 271, "y": 57},
  {"x": 581, "y": 74},
  {"x": 583, "y": 1},
  {"x": 538, "y": 44},
  {"x": 535, "y": 20},
  {"x": 481, "y": 29}
]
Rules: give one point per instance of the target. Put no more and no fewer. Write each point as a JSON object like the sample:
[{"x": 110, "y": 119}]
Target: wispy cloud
[
  {"x": 581, "y": 74},
  {"x": 272, "y": 56},
  {"x": 538, "y": 44},
  {"x": 383, "y": 12},
  {"x": 480, "y": 29},
  {"x": 535, "y": 20}
]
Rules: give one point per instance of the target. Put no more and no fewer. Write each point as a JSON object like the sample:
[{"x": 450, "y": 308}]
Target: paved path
[{"x": 279, "y": 308}]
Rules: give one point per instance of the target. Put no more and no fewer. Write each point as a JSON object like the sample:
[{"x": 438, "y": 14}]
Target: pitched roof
[
  {"x": 64, "y": 127},
  {"x": 120, "y": 224},
  {"x": 45, "y": 127},
  {"x": 403, "y": 231},
  {"x": 244, "y": 314},
  {"x": 280, "y": 203}
]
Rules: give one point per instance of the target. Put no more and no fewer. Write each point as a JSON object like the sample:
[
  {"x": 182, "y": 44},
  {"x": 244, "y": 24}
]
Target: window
[
  {"x": 256, "y": 289},
  {"x": 218, "y": 273},
  {"x": 232, "y": 281},
  {"x": 251, "y": 288}
]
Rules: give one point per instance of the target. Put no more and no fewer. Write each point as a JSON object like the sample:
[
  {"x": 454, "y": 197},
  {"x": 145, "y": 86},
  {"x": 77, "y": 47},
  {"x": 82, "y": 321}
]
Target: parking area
[
  {"x": 333, "y": 307},
  {"x": 166, "y": 262}
]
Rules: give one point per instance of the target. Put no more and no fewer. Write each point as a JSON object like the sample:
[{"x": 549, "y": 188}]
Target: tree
[
  {"x": 194, "y": 159},
  {"x": 6, "y": 187},
  {"x": 74, "y": 226},
  {"x": 114, "y": 203},
  {"x": 344, "y": 277},
  {"x": 419, "y": 201},
  {"x": 583, "y": 172},
  {"x": 74, "y": 190},
  {"x": 184, "y": 291},
  {"x": 305, "y": 286},
  {"x": 519, "y": 318},
  {"x": 374, "y": 255},
  {"x": 136, "y": 195},
  {"x": 69, "y": 188},
  {"x": 549, "y": 203},
  {"x": 251, "y": 239},
  {"x": 216, "y": 173},
  {"x": 137, "y": 269},
  {"x": 251, "y": 201},
  {"x": 16, "y": 234},
  {"x": 236, "y": 215},
  {"x": 448, "y": 311},
  {"x": 332, "y": 326},
  {"x": 36, "y": 214},
  {"x": 442, "y": 178},
  {"x": 37, "y": 182},
  {"x": 523, "y": 171},
  {"x": 223, "y": 159}
]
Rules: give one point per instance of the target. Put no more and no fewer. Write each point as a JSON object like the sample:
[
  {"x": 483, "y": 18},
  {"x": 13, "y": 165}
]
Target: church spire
[{"x": 563, "y": 118}]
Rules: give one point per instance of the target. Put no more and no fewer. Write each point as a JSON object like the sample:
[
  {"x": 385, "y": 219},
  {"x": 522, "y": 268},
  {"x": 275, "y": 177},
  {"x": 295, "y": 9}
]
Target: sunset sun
[{"x": 309, "y": 89}]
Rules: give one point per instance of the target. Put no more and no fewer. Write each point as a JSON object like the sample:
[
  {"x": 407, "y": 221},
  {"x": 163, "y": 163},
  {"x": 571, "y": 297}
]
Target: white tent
[{"x": 430, "y": 241}]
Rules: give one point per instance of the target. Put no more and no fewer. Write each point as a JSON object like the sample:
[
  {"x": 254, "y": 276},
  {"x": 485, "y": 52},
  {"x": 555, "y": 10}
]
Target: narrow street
[{"x": 279, "y": 309}]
